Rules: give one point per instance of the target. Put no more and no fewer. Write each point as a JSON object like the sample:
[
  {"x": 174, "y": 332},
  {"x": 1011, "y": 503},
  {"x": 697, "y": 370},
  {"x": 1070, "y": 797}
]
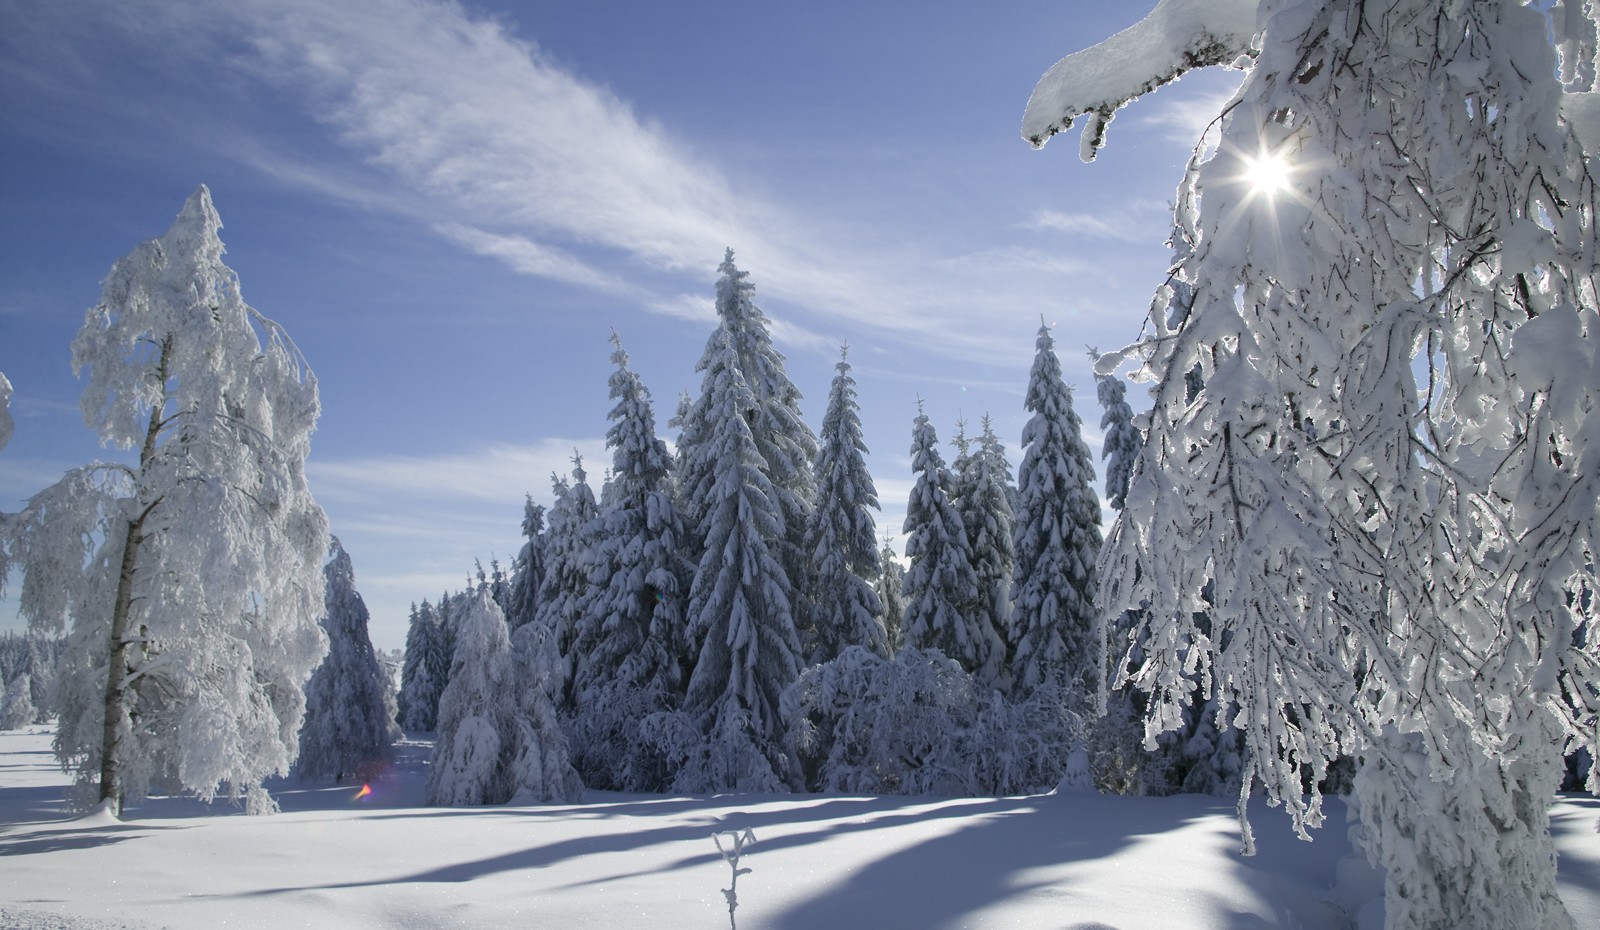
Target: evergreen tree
[
  {"x": 192, "y": 577},
  {"x": 1122, "y": 439},
  {"x": 1057, "y": 541},
  {"x": 890, "y": 586},
  {"x": 349, "y": 725},
  {"x": 842, "y": 538},
  {"x": 982, "y": 497},
  {"x": 784, "y": 443},
  {"x": 941, "y": 581},
  {"x": 469, "y": 756},
  {"x": 566, "y": 575},
  {"x": 632, "y": 631},
  {"x": 425, "y": 672},
  {"x": 16, "y": 707},
  {"x": 527, "y": 572},
  {"x": 6, "y": 423},
  {"x": 741, "y": 624},
  {"x": 1386, "y": 470}
]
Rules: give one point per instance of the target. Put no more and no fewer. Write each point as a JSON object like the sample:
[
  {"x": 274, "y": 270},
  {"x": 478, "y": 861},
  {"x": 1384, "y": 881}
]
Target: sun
[{"x": 1267, "y": 174}]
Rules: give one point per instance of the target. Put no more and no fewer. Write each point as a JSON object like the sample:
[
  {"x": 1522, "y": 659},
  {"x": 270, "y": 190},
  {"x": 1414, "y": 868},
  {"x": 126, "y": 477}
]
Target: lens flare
[{"x": 363, "y": 794}]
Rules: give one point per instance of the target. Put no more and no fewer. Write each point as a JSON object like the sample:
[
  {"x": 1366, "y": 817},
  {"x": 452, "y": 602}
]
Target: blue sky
[{"x": 450, "y": 206}]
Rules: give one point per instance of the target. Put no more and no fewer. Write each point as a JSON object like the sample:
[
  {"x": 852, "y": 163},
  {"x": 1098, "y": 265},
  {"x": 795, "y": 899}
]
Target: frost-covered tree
[
  {"x": 16, "y": 707},
  {"x": 1057, "y": 541},
  {"x": 566, "y": 569},
  {"x": 982, "y": 496},
  {"x": 490, "y": 749},
  {"x": 784, "y": 443},
  {"x": 540, "y": 767},
  {"x": 890, "y": 583},
  {"x": 349, "y": 723},
  {"x": 941, "y": 585},
  {"x": 1389, "y": 470},
  {"x": 842, "y": 540},
  {"x": 632, "y": 631},
  {"x": 193, "y": 577},
  {"x": 425, "y": 671},
  {"x": 919, "y": 723},
  {"x": 527, "y": 572},
  {"x": 6, "y": 424},
  {"x": 1122, "y": 438},
  {"x": 740, "y": 622}
]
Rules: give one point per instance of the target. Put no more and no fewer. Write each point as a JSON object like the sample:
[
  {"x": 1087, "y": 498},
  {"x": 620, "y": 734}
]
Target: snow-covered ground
[{"x": 335, "y": 861}]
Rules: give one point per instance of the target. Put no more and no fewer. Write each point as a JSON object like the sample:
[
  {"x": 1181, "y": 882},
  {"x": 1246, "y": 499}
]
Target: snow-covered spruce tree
[
  {"x": 920, "y": 724},
  {"x": 566, "y": 568},
  {"x": 16, "y": 706},
  {"x": 1389, "y": 471},
  {"x": 982, "y": 496},
  {"x": 941, "y": 584},
  {"x": 1122, "y": 438},
  {"x": 490, "y": 749},
  {"x": 349, "y": 724},
  {"x": 784, "y": 442},
  {"x": 632, "y": 632},
  {"x": 6, "y": 423},
  {"x": 527, "y": 572},
  {"x": 1057, "y": 541},
  {"x": 192, "y": 578},
  {"x": 890, "y": 583},
  {"x": 425, "y": 672},
  {"x": 842, "y": 540},
  {"x": 740, "y": 622}
]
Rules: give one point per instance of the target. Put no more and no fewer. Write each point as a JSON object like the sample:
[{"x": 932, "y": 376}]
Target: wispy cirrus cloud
[{"x": 493, "y": 473}]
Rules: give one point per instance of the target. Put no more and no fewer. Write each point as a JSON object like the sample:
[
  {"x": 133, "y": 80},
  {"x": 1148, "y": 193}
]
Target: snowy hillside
[{"x": 333, "y": 861}]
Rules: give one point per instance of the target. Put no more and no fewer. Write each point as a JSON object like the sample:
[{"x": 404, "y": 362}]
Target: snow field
[{"x": 1076, "y": 861}]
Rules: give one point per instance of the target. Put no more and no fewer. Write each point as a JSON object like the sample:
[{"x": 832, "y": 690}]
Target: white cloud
[
  {"x": 525, "y": 256},
  {"x": 483, "y": 121},
  {"x": 1183, "y": 118},
  {"x": 494, "y": 473},
  {"x": 1127, "y": 226}
]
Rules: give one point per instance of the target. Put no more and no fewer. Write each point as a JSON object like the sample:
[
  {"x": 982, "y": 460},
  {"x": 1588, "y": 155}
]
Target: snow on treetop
[{"x": 1177, "y": 36}]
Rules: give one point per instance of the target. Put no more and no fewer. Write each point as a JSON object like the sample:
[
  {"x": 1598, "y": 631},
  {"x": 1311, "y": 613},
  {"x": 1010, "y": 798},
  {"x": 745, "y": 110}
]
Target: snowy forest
[{"x": 1349, "y": 463}]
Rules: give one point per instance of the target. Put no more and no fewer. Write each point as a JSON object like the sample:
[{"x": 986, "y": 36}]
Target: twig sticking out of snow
[{"x": 738, "y": 841}]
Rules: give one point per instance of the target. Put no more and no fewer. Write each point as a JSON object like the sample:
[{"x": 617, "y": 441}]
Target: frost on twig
[{"x": 738, "y": 840}]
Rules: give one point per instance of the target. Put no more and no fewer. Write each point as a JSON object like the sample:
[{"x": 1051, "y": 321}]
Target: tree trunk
[
  {"x": 117, "y": 711},
  {"x": 116, "y": 704}
]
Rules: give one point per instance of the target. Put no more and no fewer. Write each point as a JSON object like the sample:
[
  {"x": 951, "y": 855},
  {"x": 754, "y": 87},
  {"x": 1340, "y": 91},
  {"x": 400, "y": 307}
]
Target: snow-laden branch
[{"x": 1177, "y": 36}]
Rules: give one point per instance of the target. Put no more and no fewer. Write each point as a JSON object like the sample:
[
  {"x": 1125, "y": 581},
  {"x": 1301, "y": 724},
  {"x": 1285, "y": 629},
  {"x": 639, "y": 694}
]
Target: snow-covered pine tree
[
  {"x": 842, "y": 540},
  {"x": 348, "y": 726},
  {"x": 1057, "y": 541},
  {"x": 982, "y": 496},
  {"x": 1390, "y": 469},
  {"x": 785, "y": 444},
  {"x": 566, "y": 568},
  {"x": 632, "y": 633},
  {"x": 469, "y": 756},
  {"x": 527, "y": 572},
  {"x": 1122, "y": 438},
  {"x": 540, "y": 767},
  {"x": 941, "y": 582},
  {"x": 425, "y": 672},
  {"x": 6, "y": 423},
  {"x": 16, "y": 707},
  {"x": 740, "y": 622},
  {"x": 890, "y": 584},
  {"x": 193, "y": 579}
]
